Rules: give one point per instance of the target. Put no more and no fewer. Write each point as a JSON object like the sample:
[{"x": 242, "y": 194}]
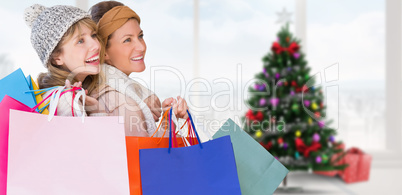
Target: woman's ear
[
  {"x": 107, "y": 58},
  {"x": 57, "y": 61}
]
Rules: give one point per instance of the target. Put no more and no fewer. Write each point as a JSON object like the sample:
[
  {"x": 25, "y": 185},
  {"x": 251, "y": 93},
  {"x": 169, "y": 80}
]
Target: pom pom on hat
[{"x": 32, "y": 12}]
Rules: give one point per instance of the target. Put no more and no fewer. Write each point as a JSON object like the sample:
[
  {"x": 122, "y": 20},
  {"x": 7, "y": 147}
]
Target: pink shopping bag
[
  {"x": 66, "y": 155},
  {"x": 5, "y": 105}
]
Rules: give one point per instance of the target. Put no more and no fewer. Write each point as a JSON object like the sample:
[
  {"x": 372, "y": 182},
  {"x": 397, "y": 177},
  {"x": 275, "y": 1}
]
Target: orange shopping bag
[{"x": 134, "y": 144}]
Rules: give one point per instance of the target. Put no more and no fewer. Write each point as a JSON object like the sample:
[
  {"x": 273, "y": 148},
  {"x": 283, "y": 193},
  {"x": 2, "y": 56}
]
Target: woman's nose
[
  {"x": 95, "y": 45},
  {"x": 140, "y": 45}
]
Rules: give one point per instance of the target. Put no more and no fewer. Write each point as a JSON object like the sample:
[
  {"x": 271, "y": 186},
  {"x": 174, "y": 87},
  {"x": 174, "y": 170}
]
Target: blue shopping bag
[
  {"x": 15, "y": 85},
  {"x": 205, "y": 168},
  {"x": 259, "y": 172}
]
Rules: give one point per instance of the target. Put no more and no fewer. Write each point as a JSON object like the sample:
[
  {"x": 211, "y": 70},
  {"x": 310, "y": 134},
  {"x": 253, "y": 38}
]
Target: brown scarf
[{"x": 113, "y": 20}]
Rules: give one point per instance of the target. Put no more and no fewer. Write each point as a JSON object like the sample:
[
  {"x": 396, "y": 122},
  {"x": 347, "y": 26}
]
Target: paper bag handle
[{"x": 172, "y": 134}]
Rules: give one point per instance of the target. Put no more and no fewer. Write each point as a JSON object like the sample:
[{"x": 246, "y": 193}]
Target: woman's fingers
[
  {"x": 68, "y": 83},
  {"x": 182, "y": 108},
  {"x": 167, "y": 103}
]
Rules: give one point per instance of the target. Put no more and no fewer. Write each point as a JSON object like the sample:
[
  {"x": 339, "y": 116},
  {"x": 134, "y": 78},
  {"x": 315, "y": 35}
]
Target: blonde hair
[{"x": 57, "y": 75}]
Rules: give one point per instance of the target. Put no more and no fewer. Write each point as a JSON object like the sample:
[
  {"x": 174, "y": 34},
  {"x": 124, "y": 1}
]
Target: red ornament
[
  {"x": 267, "y": 146},
  {"x": 305, "y": 88},
  {"x": 250, "y": 115},
  {"x": 280, "y": 140},
  {"x": 293, "y": 83},
  {"x": 277, "y": 48},
  {"x": 259, "y": 116},
  {"x": 298, "y": 89},
  {"x": 302, "y": 148},
  {"x": 322, "y": 105},
  {"x": 317, "y": 114},
  {"x": 286, "y": 83}
]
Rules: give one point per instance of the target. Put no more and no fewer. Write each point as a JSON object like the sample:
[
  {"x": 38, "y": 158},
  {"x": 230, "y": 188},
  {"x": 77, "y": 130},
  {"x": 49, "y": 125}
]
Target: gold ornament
[
  {"x": 314, "y": 106},
  {"x": 298, "y": 133},
  {"x": 258, "y": 134},
  {"x": 310, "y": 121}
]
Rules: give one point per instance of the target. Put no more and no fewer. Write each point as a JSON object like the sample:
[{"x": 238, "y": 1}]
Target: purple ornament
[
  {"x": 274, "y": 101},
  {"x": 259, "y": 87},
  {"x": 285, "y": 145},
  {"x": 331, "y": 138},
  {"x": 296, "y": 55},
  {"x": 318, "y": 159},
  {"x": 306, "y": 103},
  {"x": 263, "y": 101},
  {"x": 316, "y": 137},
  {"x": 280, "y": 83},
  {"x": 262, "y": 87},
  {"x": 256, "y": 86},
  {"x": 277, "y": 75},
  {"x": 266, "y": 75},
  {"x": 321, "y": 124},
  {"x": 292, "y": 93}
]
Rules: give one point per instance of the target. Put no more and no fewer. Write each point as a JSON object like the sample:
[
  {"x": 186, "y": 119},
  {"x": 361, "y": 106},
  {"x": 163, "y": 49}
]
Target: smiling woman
[
  {"x": 125, "y": 48},
  {"x": 65, "y": 40}
]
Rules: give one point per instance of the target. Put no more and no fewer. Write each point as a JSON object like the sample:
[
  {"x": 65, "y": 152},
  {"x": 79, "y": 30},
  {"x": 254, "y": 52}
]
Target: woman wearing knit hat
[
  {"x": 66, "y": 42},
  {"x": 125, "y": 48}
]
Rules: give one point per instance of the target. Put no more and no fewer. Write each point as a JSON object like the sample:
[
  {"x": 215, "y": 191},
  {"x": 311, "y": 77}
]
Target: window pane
[
  {"x": 234, "y": 37},
  {"x": 352, "y": 35}
]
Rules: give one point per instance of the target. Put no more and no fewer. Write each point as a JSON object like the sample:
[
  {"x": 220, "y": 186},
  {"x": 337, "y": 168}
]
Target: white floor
[{"x": 382, "y": 181}]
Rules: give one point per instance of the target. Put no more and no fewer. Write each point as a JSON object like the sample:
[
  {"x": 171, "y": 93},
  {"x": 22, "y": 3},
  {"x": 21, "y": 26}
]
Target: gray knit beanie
[{"x": 48, "y": 25}]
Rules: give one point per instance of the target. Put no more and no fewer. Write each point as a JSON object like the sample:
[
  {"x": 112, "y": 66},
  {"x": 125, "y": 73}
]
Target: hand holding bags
[
  {"x": 205, "y": 168},
  {"x": 66, "y": 156},
  {"x": 259, "y": 172}
]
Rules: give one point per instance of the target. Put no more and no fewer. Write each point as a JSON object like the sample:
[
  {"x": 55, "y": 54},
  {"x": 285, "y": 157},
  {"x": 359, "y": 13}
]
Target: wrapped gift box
[{"x": 359, "y": 166}]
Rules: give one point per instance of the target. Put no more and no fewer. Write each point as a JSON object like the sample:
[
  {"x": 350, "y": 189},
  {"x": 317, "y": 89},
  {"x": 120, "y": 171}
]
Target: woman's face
[
  {"x": 80, "y": 54},
  {"x": 126, "y": 49}
]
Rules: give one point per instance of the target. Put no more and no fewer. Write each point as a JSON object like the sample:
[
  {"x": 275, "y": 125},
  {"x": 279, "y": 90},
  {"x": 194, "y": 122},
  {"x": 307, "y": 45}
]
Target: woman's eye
[
  {"x": 141, "y": 36},
  {"x": 127, "y": 40},
  {"x": 93, "y": 35},
  {"x": 81, "y": 41}
]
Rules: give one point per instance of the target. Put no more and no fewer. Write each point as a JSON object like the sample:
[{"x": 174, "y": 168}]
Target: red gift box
[{"x": 359, "y": 166}]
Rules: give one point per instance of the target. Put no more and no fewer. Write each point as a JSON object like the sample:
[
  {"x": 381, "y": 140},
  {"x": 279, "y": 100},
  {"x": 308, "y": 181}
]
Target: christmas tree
[{"x": 287, "y": 112}]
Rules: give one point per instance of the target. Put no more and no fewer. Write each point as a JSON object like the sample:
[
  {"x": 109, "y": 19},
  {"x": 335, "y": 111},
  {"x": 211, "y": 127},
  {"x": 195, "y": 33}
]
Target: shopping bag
[
  {"x": 15, "y": 85},
  {"x": 38, "y": 98},
  {"x": 205, "y": 168},
  {"x": 134, "y": 144},
  {"x": 259, "y": 172},
  {"x": 29, "y": 82},
  {"x": 5, "y": 105},
  {"x": 66, "y": 156}
]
